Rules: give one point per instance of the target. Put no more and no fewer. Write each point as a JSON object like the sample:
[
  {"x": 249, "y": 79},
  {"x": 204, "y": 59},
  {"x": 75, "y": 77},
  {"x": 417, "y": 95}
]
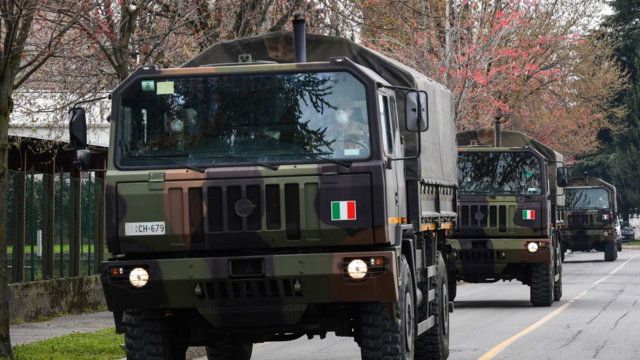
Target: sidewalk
[
  {"x": 62, "y": 325},
  {"x": 72, "y": 324}
]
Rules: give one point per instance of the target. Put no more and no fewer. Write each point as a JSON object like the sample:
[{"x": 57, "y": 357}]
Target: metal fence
[{"x": 55, "y": 226}]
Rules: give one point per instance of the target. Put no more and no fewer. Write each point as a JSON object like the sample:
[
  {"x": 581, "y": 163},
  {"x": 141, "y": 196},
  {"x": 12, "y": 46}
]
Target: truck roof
[{"x": 437, "y": 165}]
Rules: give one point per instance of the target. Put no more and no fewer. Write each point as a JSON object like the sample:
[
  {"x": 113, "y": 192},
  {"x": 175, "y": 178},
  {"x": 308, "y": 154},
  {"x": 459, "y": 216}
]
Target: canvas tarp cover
[
  {"x": 511, "y": 138},
  {"x": 437, "y": 164}
]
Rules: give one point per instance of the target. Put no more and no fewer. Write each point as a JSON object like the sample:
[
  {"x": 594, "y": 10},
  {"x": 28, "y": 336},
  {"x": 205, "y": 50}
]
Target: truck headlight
[
  {"x": 605, "y": 233},
  {"x": 138, "y": 277},
  {"x": 357, "y": 269},
  {"x": 533, "y": 247}
]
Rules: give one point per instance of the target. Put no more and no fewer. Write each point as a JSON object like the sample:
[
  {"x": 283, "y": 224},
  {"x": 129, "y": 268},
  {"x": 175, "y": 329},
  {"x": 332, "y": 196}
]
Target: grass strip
[{"x": 100, "y": 345}]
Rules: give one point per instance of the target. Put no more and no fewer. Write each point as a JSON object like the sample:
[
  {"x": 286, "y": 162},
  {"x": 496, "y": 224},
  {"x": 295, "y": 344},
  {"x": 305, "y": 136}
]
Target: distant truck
[
  {"x": 510, "y": 200},
  {"x": 590, "y": 216},
  {"x": 236, "y": 215}
]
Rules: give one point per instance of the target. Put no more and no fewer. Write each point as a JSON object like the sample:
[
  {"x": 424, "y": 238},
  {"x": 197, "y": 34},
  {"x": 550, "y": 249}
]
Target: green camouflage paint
[
  {"x": 244, "y": 248},
  {"x": 494, "y": 227},
  {"x": 587, "y": 220}
]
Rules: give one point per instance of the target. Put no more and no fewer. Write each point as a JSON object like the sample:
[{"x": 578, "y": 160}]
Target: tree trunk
[{"x": 6, "y": 106}]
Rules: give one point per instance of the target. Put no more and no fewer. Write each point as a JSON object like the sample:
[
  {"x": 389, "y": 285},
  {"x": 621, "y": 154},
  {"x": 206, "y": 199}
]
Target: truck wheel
[
  {"x": 557, "y": 287},
  {"x": 542, "y": 284},
  {"x": 434, "y": 343},
  {"x": 229, "y": 348},
  {"x": 146, "y": 337},
  {"x": 381, "y": 338},
  {"x": 610, "y": 251}
]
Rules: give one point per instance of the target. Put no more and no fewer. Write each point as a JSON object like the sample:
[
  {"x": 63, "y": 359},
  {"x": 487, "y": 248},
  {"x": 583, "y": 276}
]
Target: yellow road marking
[{"x": 493, "y": 352}]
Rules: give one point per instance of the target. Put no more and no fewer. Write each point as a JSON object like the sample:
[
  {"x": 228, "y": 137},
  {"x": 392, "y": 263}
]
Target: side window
[
  {"x": 385, "y": 119},
  {"x": 393, "y": 111},
  {"x": 126, "y": 128}
]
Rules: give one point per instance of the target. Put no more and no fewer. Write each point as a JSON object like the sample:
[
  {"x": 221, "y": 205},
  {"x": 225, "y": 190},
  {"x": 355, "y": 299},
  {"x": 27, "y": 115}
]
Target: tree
[
  {"x": 623, "y": 25},
  {"x": 32, "y": 32},
  {"x": 538, "y": 61}
]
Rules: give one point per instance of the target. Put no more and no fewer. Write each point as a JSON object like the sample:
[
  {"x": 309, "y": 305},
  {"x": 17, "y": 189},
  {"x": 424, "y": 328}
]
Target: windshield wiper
[
  {"x": 169, "y": 159},
  {"x": 234, "y": 156},
  {"x": 332, "y": 160},
  {"x": 188, "y": 166}
]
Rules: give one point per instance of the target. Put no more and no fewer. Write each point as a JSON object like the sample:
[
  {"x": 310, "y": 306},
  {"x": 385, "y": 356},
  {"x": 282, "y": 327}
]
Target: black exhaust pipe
[
  {"x": 497, "y": 133},
  {"x": 497, "y": 136},
  {"x": 299, "y": 37}
]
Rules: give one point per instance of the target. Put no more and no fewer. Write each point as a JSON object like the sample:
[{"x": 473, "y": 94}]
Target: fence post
[
  {"x": 75, "y": 222},
  {"x": 100, "y": 217},
  {"x": 19, "y": 216},
  {"x": 48, "y": 219}
]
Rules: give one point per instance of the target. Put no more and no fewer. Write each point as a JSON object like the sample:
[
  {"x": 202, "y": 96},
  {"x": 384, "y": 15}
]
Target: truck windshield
[
  {"x": 587, "y": 198},
  {"x": 231, "y": 119},
  {"x": 498, "y": 173}
]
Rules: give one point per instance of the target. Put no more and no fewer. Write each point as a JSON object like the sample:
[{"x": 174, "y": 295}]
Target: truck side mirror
[
  {"x": 416, "y": 111},
  {"x": 562, "y": 176},
  {"x": 77, "y": 128},
  {"x": 83, "y": 157}
]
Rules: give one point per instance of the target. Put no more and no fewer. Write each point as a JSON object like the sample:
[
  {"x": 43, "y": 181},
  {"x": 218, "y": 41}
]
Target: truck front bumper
[
  {"x": 579, "y": 240},
  {"x": 252, "y": 282},
  {"x": 491, "y": 256}
]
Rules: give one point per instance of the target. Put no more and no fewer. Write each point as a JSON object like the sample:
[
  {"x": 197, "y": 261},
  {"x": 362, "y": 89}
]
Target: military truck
[
  {"x": 234, "y": 218},
  {"x": 590, "y": 217},
  {"x": 509, "y": 206}
]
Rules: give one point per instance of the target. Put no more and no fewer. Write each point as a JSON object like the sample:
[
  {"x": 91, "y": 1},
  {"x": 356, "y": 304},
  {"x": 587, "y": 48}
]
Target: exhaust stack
[
  {"x": 497, "y": 134},
  {"x": 299, "y": 37}
]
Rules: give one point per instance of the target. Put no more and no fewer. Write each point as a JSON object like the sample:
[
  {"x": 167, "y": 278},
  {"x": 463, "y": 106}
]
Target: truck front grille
[
  {"x": 483, "y": 216},
  {"x": 580, "y": 219},
  {"x": 222, "y": 215},
  {"x": 254, "y": 288}
]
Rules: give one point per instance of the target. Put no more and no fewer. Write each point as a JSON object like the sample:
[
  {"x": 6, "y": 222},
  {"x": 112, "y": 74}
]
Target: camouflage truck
[
  {"x": 509, "y": 204},
  {"x": 590, "y": 214},
  {"x": 234, "y": 218}
]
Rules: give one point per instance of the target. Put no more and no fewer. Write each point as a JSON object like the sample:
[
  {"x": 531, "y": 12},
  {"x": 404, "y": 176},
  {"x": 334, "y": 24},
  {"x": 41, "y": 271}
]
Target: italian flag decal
[
  {"x": 343, "y": 210},
  {"x": 605, "y": 217},
  {"x": 528, "y": 214}
]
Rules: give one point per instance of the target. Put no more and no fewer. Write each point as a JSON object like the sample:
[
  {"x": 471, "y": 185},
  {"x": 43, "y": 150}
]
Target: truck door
[{"x": 394, "y": 171}]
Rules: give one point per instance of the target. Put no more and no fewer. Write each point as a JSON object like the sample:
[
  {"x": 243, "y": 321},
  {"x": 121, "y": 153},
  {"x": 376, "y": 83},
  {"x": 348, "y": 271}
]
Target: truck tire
[
  {"x": 542, "y": 285},
  {"x": 557, "y": 286},
  {"x": 229, "y": 348},
  {"x": 381, "y": 337},
  {"x": 434, "y": 343},
  {"x": 146, "y": 337},
  {"x": 610, "y": 251}
]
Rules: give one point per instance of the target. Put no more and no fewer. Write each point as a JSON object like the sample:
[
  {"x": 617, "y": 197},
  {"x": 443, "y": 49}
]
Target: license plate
[{"x": 144, "y": 228}]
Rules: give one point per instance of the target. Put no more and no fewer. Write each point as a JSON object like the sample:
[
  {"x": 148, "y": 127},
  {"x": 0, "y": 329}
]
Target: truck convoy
[
  {"x": 253, "y": 196},
  {"x": 510, "y": 202},
  {"x": 590, "y": 217}
]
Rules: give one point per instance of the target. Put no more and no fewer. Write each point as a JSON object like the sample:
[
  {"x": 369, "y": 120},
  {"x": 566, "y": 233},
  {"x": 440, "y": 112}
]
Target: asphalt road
[{"x": 597, "y": 318}]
